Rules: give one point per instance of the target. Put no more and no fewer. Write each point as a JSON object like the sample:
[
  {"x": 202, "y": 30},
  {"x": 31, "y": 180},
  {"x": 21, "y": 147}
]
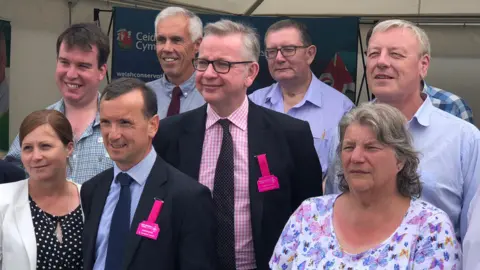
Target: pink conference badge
[
  {"x": 149, "y": 228},
  {"x": 268, "y": 181}
]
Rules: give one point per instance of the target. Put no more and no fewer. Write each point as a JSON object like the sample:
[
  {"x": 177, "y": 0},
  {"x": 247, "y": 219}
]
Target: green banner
[{"x": 5, "y": 43}]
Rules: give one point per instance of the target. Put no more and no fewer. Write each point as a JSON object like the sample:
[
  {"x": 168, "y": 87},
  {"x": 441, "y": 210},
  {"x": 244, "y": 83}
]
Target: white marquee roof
[{"x": 322, "y": 7}]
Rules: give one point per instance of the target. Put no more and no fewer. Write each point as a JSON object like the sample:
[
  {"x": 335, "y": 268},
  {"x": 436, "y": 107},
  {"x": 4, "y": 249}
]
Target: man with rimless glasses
[
  {"x": 297, "y": 92},
  {"x": 224, "y": 143}
]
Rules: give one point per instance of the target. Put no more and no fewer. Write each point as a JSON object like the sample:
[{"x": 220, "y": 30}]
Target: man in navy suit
[
  {"x": 143, "y": 213},
  {"x": 10, "y": 173},
  {"x": 235, "y": 148}
]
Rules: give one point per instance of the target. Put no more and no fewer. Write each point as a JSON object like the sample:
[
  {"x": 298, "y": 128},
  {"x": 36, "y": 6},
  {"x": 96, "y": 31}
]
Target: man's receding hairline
[{"x": 70, "y": 47}]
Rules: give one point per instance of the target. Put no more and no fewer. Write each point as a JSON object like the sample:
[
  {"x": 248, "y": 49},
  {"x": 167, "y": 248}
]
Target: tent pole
[{"x": 253, "y": 7}]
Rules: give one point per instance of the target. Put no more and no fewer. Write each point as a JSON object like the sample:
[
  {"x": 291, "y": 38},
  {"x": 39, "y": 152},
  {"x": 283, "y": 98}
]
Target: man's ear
[
  {"x": 311, "y": 53},
  {"x": 153, "y": 124},
  {"x": 423, "y": 65},
  {"x": 103, "y": 71},
  {"x": 252, "y": 73},
  {"x": 196, "y": 45}
]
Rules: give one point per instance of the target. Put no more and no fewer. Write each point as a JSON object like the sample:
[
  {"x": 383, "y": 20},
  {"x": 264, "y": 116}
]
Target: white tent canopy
[{"x": 321, "y": 7}]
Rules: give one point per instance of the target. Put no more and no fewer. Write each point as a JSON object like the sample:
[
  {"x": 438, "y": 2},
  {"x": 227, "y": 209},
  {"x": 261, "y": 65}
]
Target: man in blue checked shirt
[
  {"x": 398, "y": 57},
  {"x": 298, "y": 93},
  {"x": 448, "y": 102},
  {"x": 444, "y": 100},
  {"x": 82, "y": 53}
]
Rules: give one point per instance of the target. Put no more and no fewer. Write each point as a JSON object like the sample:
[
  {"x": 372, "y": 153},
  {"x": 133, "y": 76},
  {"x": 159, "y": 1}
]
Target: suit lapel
[
  {"x": 154, "y": 188},
  {"x": 259, "y": 142},
  {"x": 23, "y": 218},
  {"x": 98, "y": 201},
  {"x": 191, "y": 142}
]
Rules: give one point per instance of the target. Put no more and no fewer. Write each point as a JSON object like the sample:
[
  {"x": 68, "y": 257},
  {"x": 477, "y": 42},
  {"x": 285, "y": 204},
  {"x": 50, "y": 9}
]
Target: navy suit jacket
[
  {"x": 10, "y": 173},
  {"x": 187, "y": 222}
]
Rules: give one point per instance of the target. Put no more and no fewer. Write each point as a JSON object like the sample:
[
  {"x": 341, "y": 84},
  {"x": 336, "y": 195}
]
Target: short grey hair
[
  {"x": 419, "y": 33},
  {"x": 224, "y": 27},
  {"x": 195, "y": 24},
  {"x": 390, "y": 127}
]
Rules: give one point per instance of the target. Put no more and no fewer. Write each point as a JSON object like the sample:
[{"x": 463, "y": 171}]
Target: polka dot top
[{"x": 53, "y": 253}]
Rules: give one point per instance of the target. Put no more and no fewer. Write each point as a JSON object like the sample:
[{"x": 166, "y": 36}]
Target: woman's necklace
[
  {"x": 56, "y": 224},
  {"x": 57, "y": 228}
]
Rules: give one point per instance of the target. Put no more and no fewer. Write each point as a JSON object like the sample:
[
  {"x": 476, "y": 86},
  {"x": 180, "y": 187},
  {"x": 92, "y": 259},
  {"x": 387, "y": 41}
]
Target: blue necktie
[{"x": 120, "y": 227}]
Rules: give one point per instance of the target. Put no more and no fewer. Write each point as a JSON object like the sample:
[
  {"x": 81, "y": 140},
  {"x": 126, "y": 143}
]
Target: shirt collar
[
  {"x": 313, "y": 94},
  {"x": 60, "y": 106},
  {"x": 275, "y": 95},
  {"x": 139, "y": 172},
  {"x": 187, "y": 86},
  {"x": 427, "y": 89},
  {"x": 423, "y": 113},
  {"x": 238, "y": 117},
  {"x": 315, "y": 91}
]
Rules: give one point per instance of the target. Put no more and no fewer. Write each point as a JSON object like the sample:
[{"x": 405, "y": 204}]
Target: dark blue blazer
[{"x": 10, "y": 173}]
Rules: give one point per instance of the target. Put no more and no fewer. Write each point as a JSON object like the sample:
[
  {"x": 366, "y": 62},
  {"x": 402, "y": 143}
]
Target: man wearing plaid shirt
[
  {"x": 82, "y": 52},
  {"x": 444, "y": 100},
  {"x": 448, "y": 102}
]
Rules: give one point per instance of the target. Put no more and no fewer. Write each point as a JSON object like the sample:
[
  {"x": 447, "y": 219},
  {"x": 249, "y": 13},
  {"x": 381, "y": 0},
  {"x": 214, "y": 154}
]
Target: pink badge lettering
[
  {"x": 267, "y": 181},
  {"x": 149, "y": 228}
]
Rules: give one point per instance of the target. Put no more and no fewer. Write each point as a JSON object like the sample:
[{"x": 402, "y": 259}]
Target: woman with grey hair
[{"x": 378, "y": 222}]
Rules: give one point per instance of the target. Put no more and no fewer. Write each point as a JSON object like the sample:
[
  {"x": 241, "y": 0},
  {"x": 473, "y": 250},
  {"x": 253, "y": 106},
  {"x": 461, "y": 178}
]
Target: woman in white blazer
[{"x": 41, "y": 219}]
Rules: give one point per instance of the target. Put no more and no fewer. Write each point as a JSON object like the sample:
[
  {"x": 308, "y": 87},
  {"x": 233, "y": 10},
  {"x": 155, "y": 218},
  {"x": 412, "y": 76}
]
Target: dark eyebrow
[
  {"x": 81, "y": 63},
  {"x": 283, "y": 46},
  {"x": 85, "y": 64}
]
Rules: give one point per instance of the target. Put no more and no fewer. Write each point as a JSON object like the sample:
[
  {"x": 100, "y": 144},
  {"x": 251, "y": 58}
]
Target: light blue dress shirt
[
  {"x": 449, "y": 161},
  {"x": 139, "y": 173},
  {"x": 322, "y": 107},
  {"x": 191, "y": 98}
]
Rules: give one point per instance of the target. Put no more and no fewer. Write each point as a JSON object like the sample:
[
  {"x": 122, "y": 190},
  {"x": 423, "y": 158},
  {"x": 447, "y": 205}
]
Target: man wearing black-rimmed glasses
[
  {"x": 221, "y": 144},
  {"x": 297, "y": 92}
]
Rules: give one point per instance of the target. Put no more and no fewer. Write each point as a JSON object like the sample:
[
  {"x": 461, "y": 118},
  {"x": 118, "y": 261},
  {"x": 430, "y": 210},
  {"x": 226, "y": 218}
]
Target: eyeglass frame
[
  {"x": 295, "y": 47},
  {"x": 212, "y": 62}
]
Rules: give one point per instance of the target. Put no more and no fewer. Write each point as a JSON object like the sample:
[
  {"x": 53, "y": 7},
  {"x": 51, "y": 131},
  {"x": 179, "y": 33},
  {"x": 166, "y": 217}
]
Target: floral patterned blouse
[{"x": 424, "y": 240}]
